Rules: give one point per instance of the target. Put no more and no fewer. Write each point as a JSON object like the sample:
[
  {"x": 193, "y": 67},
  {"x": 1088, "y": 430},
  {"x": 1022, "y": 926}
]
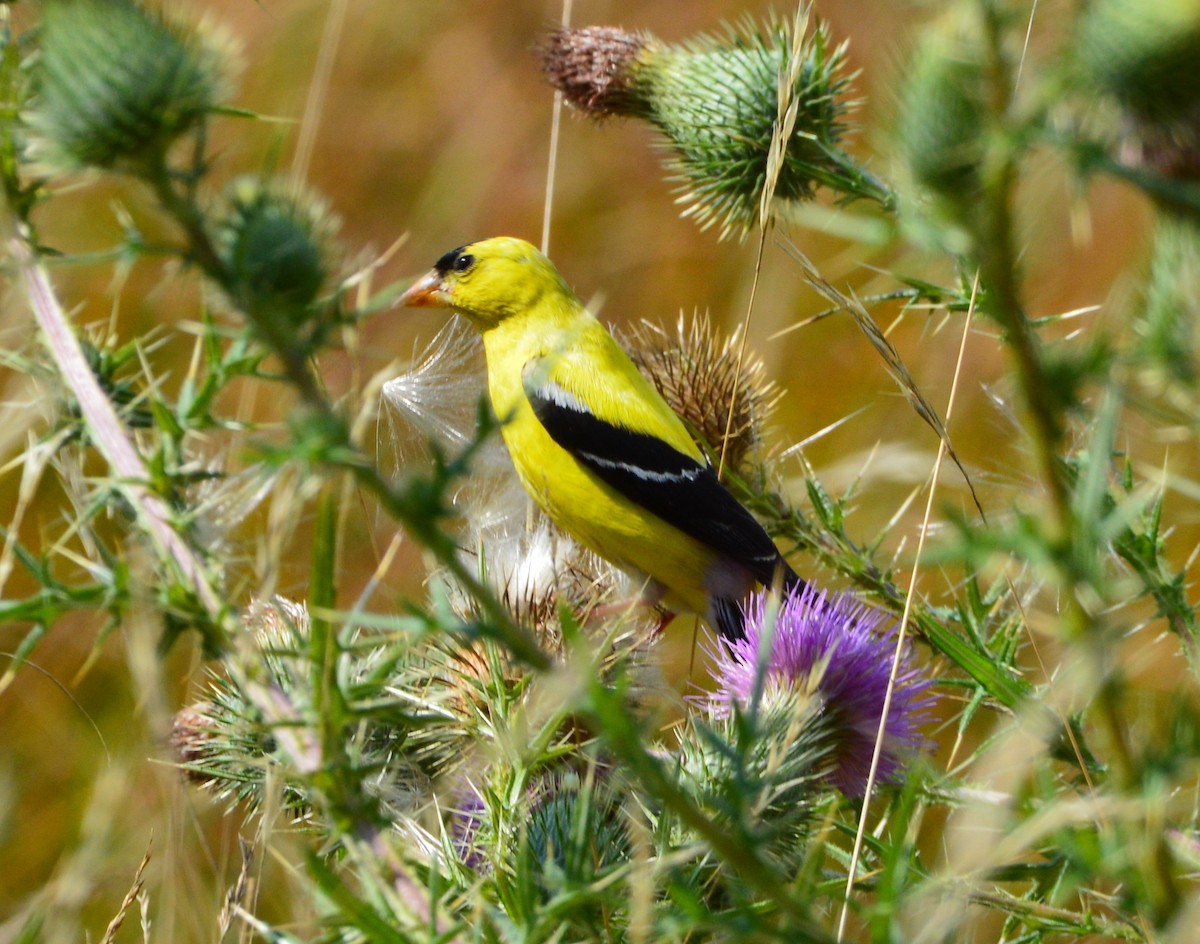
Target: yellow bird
[{"x": 594, "y": 443}]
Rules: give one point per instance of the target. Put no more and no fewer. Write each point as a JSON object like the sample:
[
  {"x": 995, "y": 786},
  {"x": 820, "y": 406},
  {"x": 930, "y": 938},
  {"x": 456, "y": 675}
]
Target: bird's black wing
[{"x": 667, "y": 483}]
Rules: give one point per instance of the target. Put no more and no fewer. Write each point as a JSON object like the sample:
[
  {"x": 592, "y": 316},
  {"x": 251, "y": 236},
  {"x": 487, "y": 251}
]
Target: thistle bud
[
  {"x": 568, "y": 829},
  {"x": 1144, "y": 55},
  {"x": 275, "y": 245},
  {"x": 117, "y": 83},
  {"x": 942, "y": 117},
  {"x": 716, "y": 100},
  {"x": 575, "y": 828}
]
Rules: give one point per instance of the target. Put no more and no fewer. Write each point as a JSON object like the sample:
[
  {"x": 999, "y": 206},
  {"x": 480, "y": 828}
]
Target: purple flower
[
  {"x": 830, "y": 645},
  {"x": 465, "y": 819}
]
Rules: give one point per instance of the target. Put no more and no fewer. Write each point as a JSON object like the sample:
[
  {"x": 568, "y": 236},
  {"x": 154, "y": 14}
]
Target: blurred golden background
[{"x": 435, "y": 129}]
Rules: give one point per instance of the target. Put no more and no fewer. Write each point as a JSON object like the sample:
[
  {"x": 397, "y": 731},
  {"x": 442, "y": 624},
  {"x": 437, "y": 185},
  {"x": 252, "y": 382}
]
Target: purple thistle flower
[
  {"x": 830, "y": 645},
  {"x": 465, "y": 819}
]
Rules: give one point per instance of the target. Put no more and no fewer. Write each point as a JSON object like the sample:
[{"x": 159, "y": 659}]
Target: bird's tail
[{"x": 727, "y": 614}]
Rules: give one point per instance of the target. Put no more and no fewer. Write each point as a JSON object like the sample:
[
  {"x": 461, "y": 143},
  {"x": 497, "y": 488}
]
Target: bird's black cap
[{"x": 446, "y": 263}]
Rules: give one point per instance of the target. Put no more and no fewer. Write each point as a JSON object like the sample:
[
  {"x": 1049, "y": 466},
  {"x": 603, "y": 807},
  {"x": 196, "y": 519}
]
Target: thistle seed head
[
  {"x": 594, "y": 67},
  {"x": 699, "y": 375}
]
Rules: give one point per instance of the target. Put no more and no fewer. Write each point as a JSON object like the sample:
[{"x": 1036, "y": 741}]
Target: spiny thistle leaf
[
  {"x": 716, "y": 100},
  {"x": 118, "y": 83}
]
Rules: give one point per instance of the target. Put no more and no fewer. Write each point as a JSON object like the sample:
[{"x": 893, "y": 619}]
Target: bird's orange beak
[{"x": 426, "y": 292}]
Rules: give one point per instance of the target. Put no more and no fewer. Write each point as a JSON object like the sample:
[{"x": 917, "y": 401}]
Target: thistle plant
[
  {"x": 445, "y": 719},
  {"x": 716, "y": 101}
]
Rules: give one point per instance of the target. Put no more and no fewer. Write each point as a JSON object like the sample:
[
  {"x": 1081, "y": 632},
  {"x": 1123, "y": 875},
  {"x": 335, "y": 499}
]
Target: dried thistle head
[
  {"x": 277, "y": 621},
  {"x": 191, "y": 739},
  {"x": 537, "y": 572},
  {"x": 258, "y": 716},
  {"x": 703, "y": 379},
  {"x": 594, "y": 67},
  {"x": 223, "y": 741}
]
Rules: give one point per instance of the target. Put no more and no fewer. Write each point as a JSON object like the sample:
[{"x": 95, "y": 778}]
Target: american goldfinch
[{"x": 594, "y": 443}]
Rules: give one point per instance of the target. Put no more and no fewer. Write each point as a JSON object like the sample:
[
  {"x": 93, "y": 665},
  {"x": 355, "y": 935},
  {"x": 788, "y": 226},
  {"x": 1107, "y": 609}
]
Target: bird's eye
[{"x": 464, "y": 262}]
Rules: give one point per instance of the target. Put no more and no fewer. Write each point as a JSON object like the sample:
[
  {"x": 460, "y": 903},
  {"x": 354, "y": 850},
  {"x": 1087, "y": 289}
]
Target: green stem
[{"x": 997, "y": 258}]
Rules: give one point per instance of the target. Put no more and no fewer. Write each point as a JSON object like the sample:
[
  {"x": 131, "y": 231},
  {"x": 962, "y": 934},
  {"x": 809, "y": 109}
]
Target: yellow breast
[{"x": 577, "y": 501}]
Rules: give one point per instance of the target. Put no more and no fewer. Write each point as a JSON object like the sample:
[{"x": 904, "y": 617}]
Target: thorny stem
[
  {"x": 998, "y": 267},
  {"x": 1087, "y": 921},
  {"x": 108, "y": 432},
  {"x": 998, "y": 271}
]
